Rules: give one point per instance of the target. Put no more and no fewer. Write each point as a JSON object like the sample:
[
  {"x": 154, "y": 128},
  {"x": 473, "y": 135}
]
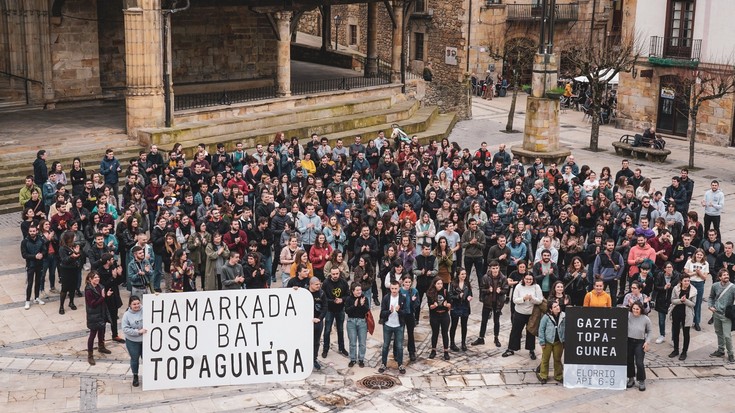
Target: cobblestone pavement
[{"x": 43, "y": 365}]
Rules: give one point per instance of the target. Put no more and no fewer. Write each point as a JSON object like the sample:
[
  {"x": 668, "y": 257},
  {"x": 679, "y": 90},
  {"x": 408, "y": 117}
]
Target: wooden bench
[{"x": 624, "y": 147}]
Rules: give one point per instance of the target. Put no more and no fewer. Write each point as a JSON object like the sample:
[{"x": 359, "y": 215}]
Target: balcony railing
[
  {"x": 677, "y": 48},
  {"x": 534, "y": 12}
]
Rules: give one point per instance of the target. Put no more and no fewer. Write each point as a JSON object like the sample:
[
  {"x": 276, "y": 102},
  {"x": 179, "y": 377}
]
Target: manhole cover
[{"x": 377, "y": 382}]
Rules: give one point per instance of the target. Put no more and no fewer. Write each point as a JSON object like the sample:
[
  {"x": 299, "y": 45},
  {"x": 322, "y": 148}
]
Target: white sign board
[
  {"x": 218, "y": 338},
  {"x": 450, "y": 56}
]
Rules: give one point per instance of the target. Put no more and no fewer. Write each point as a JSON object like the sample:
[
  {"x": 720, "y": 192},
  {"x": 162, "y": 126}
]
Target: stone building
[{"x": 679, "y": 37}]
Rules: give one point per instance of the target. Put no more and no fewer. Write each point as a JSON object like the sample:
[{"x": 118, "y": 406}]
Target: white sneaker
[
  {"x": 39, "y": 301},
  {"x": 28, "y": 305},
  {"x": 660, "y": 339}
]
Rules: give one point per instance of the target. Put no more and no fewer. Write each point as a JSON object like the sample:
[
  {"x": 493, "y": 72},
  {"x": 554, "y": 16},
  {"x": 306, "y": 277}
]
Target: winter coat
[
  {"x": 488, "y": 291},
  {"x": 97, "y": 313},
  {"x": 548, "y": 328},
  {"x": 661, "y": 295},
  {"x": 687, "y": 302}
]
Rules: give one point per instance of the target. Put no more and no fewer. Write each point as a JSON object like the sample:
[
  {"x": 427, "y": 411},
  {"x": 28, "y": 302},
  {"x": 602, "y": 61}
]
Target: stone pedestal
[
  {"x": 541, "y": 132},
  {"x": 144, "y": 98}
]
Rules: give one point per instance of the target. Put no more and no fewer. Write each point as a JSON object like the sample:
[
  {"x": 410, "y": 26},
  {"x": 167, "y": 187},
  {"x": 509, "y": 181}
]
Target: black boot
[
  {"x": 136, "y": 383},
  {"x": 71, "y": 301},
  {"x": 61, "y": 302}
]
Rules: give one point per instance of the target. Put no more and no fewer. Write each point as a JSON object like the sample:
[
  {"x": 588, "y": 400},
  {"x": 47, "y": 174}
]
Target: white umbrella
[{"x": 611, "y": 80}]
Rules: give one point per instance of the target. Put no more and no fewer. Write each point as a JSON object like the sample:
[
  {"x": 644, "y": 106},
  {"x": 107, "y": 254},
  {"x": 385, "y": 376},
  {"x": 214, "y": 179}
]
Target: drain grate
[{"x": 377, "y": 382}]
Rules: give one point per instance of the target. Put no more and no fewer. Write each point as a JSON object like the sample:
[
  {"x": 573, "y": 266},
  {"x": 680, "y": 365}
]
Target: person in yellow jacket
[{"x": 598, "y": 297}]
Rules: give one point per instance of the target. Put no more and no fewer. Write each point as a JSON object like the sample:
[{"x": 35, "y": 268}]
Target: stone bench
[{"x": 624, "y": 147}]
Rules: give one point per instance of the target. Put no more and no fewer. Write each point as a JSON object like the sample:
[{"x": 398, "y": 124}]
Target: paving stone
[{"x": 455, "y": 381}]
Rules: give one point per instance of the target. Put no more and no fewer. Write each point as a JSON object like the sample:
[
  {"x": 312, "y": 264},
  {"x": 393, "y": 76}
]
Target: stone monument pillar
[
  {"x": 283, "y": 70},
  {"x": 541, "y": 132},
  {"x": 144, "y": 100},
  {"x": 371, "y": 62}
]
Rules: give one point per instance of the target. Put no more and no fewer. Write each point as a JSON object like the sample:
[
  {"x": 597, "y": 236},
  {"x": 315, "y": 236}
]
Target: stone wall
[
  {"x": 310, "y": 23},
  {"x": 75, "y": 51},
  {"x": 111, "y": 28},
  {"x": 215, "y": 43}
]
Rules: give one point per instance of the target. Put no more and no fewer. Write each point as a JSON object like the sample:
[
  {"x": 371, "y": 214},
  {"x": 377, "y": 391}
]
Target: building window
[
  {"x": 353, "y": 34},
  {"x": 491, "y": 2},
  {"x": 420, "y": 6},
  {"x": 680, "y": 28},
  {"x": 418, "y": 46}
]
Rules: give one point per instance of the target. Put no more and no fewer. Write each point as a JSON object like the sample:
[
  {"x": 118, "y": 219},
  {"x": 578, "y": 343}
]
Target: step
[
  {"x": 90, "y": 160},
  {"x": 252, "y": 132},
  {"x": 417, "y": 122},
  {"x": 194, "y": 130}
]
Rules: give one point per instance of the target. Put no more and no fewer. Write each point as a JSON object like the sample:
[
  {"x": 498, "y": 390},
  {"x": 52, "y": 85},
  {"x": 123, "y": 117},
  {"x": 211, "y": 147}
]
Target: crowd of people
[{"x": 386, "y": 224}]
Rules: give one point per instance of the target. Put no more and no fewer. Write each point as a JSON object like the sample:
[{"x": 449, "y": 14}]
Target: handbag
[{"x": 370, "y": 322}]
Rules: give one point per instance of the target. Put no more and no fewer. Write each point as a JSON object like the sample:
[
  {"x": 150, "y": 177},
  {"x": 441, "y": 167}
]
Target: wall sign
[
  {"x": 450, "y": 56},
  {"x": 216, "y": 338},
  {"x": 596, "y": 347}
]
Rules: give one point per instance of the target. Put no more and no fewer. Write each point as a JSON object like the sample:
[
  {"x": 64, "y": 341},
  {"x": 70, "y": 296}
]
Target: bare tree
[
  {"x": 520, "y": 56},
  {"x": 599, "y": 62},
  {"x": 706, "y": 82}
]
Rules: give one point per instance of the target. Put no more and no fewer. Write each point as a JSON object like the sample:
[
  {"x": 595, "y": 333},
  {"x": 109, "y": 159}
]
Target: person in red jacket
[
  {"x": 236, "y": 239},
  {"x": 638, "y": 253},
  {"x": 319, "y": 255}
]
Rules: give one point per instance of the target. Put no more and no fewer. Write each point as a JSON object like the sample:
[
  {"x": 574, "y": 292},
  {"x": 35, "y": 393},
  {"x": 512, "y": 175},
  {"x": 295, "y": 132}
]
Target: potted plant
[
  {"x": 526, "y": 88},
  {"x": 555, "y": 93}
]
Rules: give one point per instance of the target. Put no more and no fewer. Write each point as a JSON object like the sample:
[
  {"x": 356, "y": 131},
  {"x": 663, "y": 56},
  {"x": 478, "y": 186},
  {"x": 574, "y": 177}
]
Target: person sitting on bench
[{"x": 645, "y": 140}]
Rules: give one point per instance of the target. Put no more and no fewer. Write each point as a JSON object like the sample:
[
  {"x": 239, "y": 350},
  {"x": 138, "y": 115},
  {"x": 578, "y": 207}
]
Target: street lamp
[{"x": 337, "y": 21}]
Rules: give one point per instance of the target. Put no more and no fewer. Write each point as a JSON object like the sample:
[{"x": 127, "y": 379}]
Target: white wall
[{"x": 713, "y": 24}]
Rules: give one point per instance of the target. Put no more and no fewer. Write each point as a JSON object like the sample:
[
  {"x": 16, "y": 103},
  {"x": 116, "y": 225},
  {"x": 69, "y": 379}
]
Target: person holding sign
[
  {"x": 132, "y": 326},
  {"x": 551, "y": 339},
  {"x": 639, "y": 333},
  {"x": 525, "y": 296}
]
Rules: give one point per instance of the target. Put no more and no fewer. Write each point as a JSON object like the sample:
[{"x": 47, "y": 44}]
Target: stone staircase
[{"x": 343, "y": 119}]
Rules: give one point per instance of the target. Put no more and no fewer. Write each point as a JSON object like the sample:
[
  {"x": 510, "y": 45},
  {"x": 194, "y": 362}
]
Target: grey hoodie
[{"x": 132, "y": 321}]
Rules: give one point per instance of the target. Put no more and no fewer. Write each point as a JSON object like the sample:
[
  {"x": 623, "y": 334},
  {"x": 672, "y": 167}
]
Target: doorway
[{"x": 673, "y": 107}]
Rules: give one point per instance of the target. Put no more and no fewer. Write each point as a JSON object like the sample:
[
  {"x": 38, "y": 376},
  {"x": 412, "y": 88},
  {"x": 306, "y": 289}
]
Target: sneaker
[
  {"x": 532, "y": 354},
  {"x": 711, "y": 321},
  {"x": 446, "y": 355},
  {"x": 118, "y": 339},
  {"x": 454, "y": 347},
  {"x": 508, "y": 353},
  {"x": 718, "y": 353},
  {"x": 361, "y": 363},
  {"x": 631, "y": 382},
  {"x": 541, "y": 379},
  {"x": 324, "y": 354},
  {"x": 39, "y": 301},
  {"x": 317, "y": 366},
  {"x": 432, "y": 354},
  {"x": 401, "y": 369},
  {"x": 480, "y": 341},
  {"x": 683, "y": 356},
  {"x": 660, "y": 339},
  {"x": 731, "y": 359},
  {"x": 28, "y": 305},
  {"x": 697, "y": 327},
  {"x": 412, "y": 357},
  {"x": 674, "y": 354},
  {"x": 642, "y": 385},
  {"x": 61, "y": 311},
  {"x": 351, "y": 364},
  {"x": 344, "y": 353},
  {"x": 381, "y": 369},
  {"x": 497, "y": 342},
  {"x": 72, "y": 306}
]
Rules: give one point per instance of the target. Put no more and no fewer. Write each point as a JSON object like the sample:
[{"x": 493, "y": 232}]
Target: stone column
[
  {"x": 45, "y": 42},
  {"x": 326, "y": 27},
  {"x": 397, "y": 42},
  {"x": 144, "y": 101},
  {"x": 371, "y": 62},
  {"x": 283, "y": 69}
]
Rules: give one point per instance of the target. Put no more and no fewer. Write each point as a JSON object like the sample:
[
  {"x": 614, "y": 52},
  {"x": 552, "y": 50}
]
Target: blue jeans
[
  {"x": 49, "y": 264},
  {"x": 662, "y": 323},
  {"x": 357, "y": 334},
  {"x": 285, "y": 277},
  {"x": 699, "y": 285},
  {"x": 135, "y": 349},
  {"x": 328, "y": 320},
  {"x": 397, "y": 334},
  {"x": 368, "y": 296}
]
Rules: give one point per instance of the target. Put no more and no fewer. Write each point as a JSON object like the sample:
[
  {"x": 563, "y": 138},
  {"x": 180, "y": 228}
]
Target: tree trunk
[
  {"x": 595, "y": 132},
  {"x": 692, "y": 135},
  {"x": 512, "y": 111}
]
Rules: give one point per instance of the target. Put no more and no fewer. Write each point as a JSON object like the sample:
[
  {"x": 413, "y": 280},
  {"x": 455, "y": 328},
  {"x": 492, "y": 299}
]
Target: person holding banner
[
  {"x": 551, "y": 339},
  {"x": 598, "y": 297},
  {"x": 357, "y": 306},
  {"x": 639, "y": 334},
  {"x": 132, "y": 326},
  {"x": 525, "y": 295},
  {"x": 320, "y": 311}
]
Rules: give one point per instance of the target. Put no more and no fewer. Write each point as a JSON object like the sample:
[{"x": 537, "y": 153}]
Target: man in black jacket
[
  {"x": 392, "y": 319},
  {"x": 366, "y": 244},
  {"x": 320, "y": 311},
  {"x": 336, "y": 289},
  {"x": 31, "y": 249}
]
